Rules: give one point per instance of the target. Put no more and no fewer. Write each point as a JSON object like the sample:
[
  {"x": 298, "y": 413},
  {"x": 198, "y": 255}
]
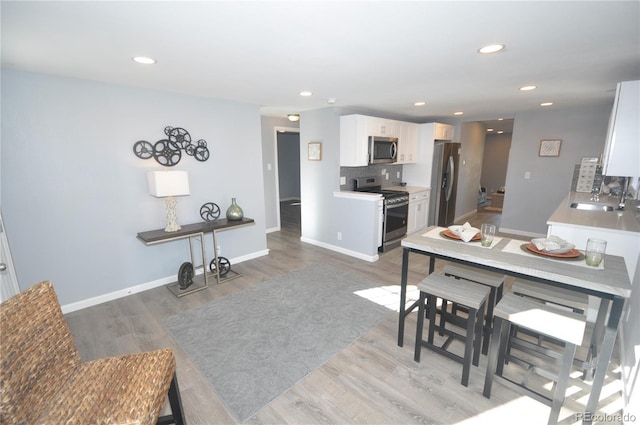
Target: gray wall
[
  {"x": 289, "y": 166},
  {"x": 495, "y": 161},
  {"x": 74, "y": 195},
  {"x": 528, "y": 203},
  {"x": 472, "y": 137},
  {"x": 322, "y": 214},
  {"x": 319, "y": 179}
]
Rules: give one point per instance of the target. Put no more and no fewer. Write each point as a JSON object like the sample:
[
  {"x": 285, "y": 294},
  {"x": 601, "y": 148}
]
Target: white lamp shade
[{"x": 168, "y": 183}]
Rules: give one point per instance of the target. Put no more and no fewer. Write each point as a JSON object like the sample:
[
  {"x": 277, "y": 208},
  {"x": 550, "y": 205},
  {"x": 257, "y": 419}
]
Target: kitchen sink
[{"x": 591, "y": 207}]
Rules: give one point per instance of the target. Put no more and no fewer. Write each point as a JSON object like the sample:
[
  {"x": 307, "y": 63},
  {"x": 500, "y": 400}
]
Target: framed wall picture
[
  {"x": 314, "y": 151},
  {"x": 550, "y": 147}
]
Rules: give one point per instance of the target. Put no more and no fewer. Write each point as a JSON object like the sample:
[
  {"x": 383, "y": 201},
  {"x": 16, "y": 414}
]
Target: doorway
[
  {"x": 495, "y": 162},
  {"x": 8, "y": 280},
  {"x": 288, "y": 179}
]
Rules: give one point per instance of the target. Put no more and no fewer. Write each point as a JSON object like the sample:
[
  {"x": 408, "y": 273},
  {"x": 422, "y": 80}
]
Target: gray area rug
[{"x": 254, "y": 345}]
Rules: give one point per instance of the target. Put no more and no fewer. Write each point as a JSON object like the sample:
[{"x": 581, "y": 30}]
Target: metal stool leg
[
  {"x": 563, "y": 382},
  {"x": 421, "y": 308}
]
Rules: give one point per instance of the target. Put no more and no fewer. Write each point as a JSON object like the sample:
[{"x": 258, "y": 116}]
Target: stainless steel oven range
[{"x": 395, "y": 211}]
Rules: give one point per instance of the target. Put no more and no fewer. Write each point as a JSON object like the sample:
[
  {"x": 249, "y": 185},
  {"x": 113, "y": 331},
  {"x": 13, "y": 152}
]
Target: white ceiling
[{"x": 371, "y": 57}]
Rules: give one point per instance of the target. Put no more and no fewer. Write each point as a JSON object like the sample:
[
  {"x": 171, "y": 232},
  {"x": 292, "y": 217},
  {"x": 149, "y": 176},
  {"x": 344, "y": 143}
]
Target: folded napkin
[
  {"x": 464, "y": 232},
  {"x": 552, "y": 244}
]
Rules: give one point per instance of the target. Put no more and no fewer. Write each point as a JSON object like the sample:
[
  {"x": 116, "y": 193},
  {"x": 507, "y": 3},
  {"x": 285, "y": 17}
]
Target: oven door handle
[{"x": 397, "y": 205}]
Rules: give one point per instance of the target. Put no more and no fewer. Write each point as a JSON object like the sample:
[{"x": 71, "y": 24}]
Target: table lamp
[{"x": 168, "y": 185}]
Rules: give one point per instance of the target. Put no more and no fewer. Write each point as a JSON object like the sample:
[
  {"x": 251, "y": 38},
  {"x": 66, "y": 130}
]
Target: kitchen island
[{"x": 621, "y": 229}]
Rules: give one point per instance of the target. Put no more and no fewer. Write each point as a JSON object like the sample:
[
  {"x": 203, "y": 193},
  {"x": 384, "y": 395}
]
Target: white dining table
[{"x": 609, "y": 283}]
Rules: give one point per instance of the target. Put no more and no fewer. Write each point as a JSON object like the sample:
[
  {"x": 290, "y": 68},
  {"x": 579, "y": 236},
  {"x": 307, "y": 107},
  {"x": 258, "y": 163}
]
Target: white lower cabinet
[{"x": 418, "y": 211}]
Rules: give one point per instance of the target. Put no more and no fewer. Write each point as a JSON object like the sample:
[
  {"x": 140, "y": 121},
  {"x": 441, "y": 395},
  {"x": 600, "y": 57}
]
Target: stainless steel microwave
[{"x": 383, "y": 150}]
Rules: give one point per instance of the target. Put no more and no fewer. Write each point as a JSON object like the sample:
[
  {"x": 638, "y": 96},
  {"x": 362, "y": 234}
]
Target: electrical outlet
[
  {"x": 387, "y": 176},
  {"x": 343, "y": 180},
  {"x": 339, "y": 236},
  {"x": 398, "y": 175}
]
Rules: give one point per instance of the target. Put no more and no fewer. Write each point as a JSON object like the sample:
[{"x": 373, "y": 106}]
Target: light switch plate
[{"x": 343, "y": 180}]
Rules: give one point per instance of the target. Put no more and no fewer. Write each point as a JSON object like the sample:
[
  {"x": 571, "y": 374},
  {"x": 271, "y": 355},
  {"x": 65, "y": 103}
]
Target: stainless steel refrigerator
[{"x": 444, "y": 183}]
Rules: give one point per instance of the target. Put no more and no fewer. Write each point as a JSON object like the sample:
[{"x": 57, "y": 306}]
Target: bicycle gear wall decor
[
  {"x": 168, "y": 152},
  {"x": 210, "y": 211}
]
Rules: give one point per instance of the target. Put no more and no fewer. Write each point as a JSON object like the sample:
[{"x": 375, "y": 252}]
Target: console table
[{"x": 195, "y": 231}]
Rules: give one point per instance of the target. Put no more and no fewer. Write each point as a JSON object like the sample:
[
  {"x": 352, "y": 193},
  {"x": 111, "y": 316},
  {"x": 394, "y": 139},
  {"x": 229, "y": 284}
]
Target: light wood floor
[{"x": 373, "y": 381}]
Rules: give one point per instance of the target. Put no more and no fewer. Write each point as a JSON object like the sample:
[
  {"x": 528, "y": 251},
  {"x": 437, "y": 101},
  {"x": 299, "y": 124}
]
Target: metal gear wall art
[
  {"x": 210, "y": 211},
  {"x": 168, "y": 152}
]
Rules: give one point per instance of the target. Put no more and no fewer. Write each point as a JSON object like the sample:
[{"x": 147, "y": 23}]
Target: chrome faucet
[{"x": 623, "y": 194}]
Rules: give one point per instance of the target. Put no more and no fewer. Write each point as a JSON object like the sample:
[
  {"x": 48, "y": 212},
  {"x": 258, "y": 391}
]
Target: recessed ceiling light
[
  {"x": 489, "y": 129},
  {"x": 546, "y": 104},
  {"x": 527, "y": 88},
  {"x": 144, "y": 60},
  {"x": 419, "y": 103},
  {"x": 500, "y": 132},
  {"x": 500, "y": 119},
  {"x": 458, "y": 113},
  {"x": 293, "y": 117},
  {"x": 305, "y": 93},
  {"x": 491, "y": 48}
]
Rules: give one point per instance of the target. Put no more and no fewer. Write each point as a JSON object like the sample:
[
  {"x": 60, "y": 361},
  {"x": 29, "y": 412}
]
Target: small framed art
[
  {"x": 314, "y": 151},
  {"x": 550, "y": 147}
]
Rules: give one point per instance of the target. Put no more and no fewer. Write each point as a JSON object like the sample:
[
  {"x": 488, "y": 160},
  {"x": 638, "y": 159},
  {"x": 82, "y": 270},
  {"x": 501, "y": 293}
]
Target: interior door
[{"x": 8, "y": 280}]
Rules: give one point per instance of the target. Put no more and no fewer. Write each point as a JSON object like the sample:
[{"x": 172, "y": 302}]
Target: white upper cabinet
[
  {"x": 407, "y": 143},
  {"x": 354, "y": 138},
  {"x": 622, "y": 148},
  {"x": 354, "y": 134},
  {"x": 443, "y": 132},
  {"x": 382, "y": 127}
]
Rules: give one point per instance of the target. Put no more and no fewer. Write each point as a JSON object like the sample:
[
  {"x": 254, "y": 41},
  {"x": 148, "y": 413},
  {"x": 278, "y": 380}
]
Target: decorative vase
[{"x": 234, "y": 212}]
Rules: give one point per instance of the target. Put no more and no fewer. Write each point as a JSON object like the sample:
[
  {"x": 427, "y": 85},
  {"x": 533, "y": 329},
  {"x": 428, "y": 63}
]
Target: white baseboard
[
  {"x": 272, "y": 229},
  {"x": 369, "y": 258},
  {"x": 121, "y": 293}
]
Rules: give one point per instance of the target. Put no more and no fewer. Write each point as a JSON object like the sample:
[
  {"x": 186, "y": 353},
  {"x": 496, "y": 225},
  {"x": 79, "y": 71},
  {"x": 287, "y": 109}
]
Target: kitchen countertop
[
  {"x": 410, "y": 189},
  {"x": 366, "y": 196},
  {"x": 623, "y": 221}
]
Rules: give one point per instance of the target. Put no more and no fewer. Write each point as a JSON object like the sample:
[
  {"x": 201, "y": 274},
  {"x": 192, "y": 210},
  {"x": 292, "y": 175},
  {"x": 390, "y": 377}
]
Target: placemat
[
  {"x": 514, "y": 247},
  {"x": 435, "y": 234}
]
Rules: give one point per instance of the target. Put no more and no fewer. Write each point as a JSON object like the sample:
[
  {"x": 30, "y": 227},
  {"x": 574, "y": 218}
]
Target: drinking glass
[
  {"x": 595, "y": 251},
  {"x": 487, "y": 233}
]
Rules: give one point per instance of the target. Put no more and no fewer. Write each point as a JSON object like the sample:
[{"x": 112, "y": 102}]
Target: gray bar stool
[
  {"x": 473, "y": 297},
  {"x": 495, "y": 282},
  {"x": 566, "y": 298},
  {"x": 573, "y": 300},
  {"x": 564, "y": 327}
]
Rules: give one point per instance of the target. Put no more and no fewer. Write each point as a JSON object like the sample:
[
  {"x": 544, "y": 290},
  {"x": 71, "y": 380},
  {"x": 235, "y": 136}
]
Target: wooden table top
[{"x": 159, "y": 235}]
